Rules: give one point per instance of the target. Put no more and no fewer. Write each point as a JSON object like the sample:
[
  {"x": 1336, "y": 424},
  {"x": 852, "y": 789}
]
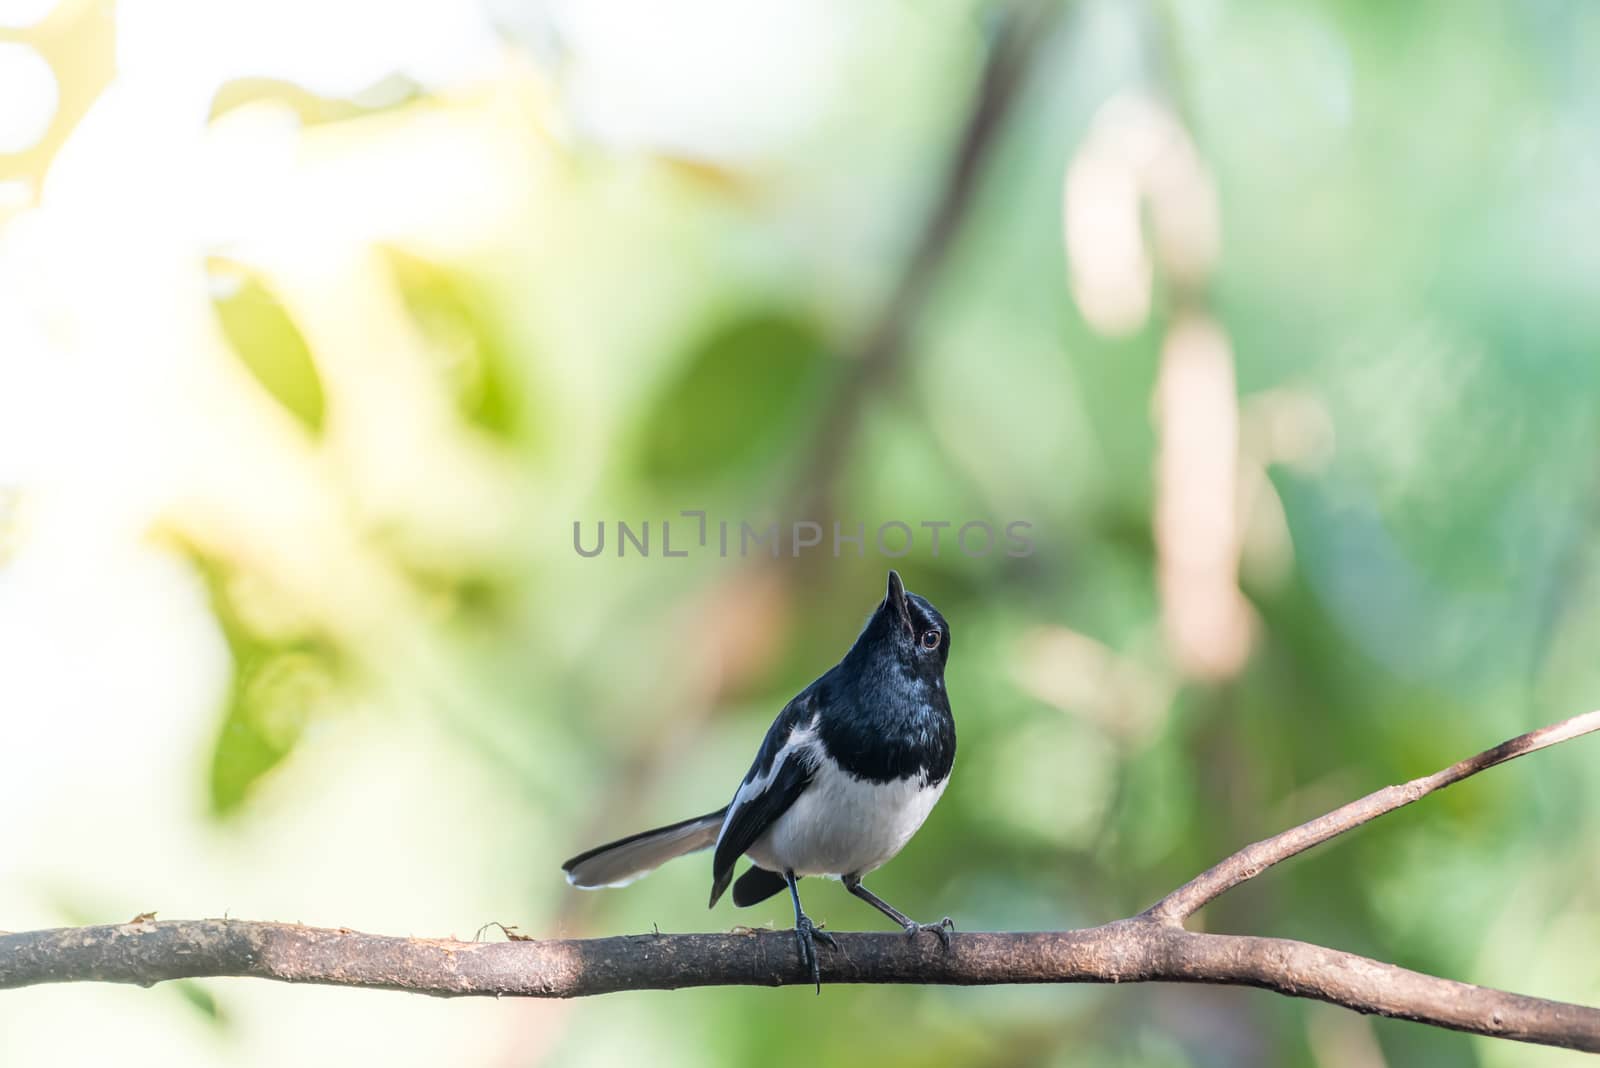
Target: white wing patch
[{"x": 800, "y": 739}]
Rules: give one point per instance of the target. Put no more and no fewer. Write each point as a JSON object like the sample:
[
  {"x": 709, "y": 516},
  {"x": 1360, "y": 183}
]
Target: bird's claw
[
  {"x": 941, "y": 929},
  {"x": 808, "y": 934}
]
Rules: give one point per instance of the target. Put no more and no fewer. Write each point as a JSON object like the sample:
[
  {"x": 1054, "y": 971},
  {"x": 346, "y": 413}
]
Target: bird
[{"x": 846, "y": 775}]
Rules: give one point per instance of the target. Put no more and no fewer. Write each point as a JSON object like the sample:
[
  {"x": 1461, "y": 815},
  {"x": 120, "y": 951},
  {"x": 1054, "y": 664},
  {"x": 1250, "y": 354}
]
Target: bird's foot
[
  {"x": 942, "y": 929},
  {"x": 808, "y": 934}
]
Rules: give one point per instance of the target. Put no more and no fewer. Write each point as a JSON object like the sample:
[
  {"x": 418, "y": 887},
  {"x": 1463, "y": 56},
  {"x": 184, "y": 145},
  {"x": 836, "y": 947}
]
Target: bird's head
[{"x": 911, "y": 631}]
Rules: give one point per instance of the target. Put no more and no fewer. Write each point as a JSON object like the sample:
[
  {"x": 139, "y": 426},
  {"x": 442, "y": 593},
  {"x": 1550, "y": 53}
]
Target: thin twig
[
  {"x": 877, "y": 357},
  {"x": 1256, "y": 858}
]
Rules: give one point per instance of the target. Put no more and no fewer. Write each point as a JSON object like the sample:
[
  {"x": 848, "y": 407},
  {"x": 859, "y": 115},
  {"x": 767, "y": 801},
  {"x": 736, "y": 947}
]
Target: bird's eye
[{"x": 930, "y": 639}]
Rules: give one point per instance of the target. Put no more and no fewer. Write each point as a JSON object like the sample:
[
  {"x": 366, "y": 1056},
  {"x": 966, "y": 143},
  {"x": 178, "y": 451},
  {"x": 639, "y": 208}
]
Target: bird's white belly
[{"x": 843, "y": 825}]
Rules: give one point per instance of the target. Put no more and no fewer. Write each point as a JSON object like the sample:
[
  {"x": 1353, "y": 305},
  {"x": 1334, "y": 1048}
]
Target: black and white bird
[{"x": 847, "y": 773}]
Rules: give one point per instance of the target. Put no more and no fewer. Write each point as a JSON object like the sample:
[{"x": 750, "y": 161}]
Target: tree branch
[
  {"x": 875, "y": 360},
  {"x": 1127, "y": 951},
  {"x": 1150, "y": 947},
  {"x": 1256, "y": 858}
]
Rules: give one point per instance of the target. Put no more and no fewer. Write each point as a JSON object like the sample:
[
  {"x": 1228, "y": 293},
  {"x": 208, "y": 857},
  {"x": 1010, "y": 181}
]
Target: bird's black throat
[{"x": 884, "y": 726}]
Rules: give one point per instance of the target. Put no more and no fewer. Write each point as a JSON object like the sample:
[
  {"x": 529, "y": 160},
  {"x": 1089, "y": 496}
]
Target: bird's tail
[{"x": 621, "y": 862}]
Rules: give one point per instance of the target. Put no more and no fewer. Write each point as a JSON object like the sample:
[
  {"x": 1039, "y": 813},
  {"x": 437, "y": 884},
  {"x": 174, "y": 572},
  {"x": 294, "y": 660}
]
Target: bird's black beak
[{"x": 895, "y": 601}]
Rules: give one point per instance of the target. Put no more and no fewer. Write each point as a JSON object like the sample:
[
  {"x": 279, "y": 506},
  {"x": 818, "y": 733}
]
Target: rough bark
[
  {"x": 1150, "y": 947},
  {"x": 1128, "y": 951}
]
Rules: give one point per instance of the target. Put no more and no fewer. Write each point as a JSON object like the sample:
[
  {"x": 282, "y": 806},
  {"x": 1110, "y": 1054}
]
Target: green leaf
[
  {"x": 267, "y": 341},
  {"x": 462, "y": 332},
  {"x": 743, "y": 391},
  {"x": 281, "y": 676},
  {"x": 275, "y": 691},
  {"x": 203, "y": 1001}
]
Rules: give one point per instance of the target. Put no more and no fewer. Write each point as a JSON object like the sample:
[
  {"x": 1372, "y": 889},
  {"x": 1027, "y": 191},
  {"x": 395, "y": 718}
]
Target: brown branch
[
  {"x": 875, "y": 359},
  {"x": 1150, "y": 947},
  {"x": 1256, "y": 858},
  {"x": 1128, "y": 951}
]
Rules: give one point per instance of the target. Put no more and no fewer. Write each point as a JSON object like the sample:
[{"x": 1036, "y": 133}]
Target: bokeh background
[{"x": 321, "y": 324}]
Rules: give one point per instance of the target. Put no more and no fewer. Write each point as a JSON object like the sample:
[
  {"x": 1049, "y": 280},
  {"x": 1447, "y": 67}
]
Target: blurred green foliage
[
  {"x": 1408, "y": 252},
  {"x": 744, "y": 393},
  {"x": 268, "y": 343},
  {"x": 279, "y": 682},
  {"x": 459, "y": 325}
]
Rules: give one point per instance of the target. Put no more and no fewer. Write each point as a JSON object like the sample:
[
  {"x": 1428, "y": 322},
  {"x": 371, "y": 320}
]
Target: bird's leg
[
  {"x": 942, "y": 929},
  {"x": 806, "y": 933}
]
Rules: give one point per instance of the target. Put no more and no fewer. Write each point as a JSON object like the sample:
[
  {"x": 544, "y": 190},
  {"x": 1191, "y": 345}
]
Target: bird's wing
[{"x": 781, "y": 772}]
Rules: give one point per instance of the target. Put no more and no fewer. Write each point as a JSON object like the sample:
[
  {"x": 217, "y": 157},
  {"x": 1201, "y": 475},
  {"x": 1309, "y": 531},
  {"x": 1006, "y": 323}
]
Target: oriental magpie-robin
[{"x": 846, "y": 775}]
